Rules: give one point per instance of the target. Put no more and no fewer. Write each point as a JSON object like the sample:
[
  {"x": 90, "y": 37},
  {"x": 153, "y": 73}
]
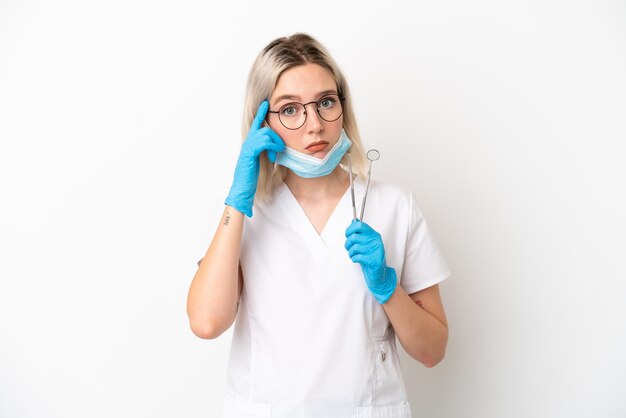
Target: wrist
[
  {"x": 390, "y": 280},
  {"x": 238, "y": 205}
]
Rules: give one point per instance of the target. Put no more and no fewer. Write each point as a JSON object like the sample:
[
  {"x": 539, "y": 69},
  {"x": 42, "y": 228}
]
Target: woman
[{"x": 319, "y": 297}]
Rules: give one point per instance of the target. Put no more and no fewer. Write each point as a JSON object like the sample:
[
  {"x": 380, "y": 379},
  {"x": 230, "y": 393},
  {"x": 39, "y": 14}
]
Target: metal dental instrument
[
  {"x": 372, "y": 155},
  {"x": 352, "y": 187}
]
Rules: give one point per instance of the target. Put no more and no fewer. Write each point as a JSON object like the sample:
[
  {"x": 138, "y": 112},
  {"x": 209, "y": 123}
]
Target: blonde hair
[{"x": 280, "y": 55}]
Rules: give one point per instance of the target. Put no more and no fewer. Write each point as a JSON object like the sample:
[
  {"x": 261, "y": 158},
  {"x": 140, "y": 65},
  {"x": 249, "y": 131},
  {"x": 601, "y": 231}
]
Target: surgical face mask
[{"x": 308, "y": 166}]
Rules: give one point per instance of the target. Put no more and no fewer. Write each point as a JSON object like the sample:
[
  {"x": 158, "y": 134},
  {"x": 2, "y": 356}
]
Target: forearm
[
  {"x": 213, "y": 294},
  {"x": 421, "y": 334}
]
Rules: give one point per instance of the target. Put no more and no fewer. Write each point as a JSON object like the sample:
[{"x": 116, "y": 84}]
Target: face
[{"x": 305, "y": 83}]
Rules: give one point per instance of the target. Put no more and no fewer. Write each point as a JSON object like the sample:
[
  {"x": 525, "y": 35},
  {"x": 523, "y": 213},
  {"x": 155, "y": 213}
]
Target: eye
[
  {"x": 327, "y": 102},
  {"x": 289, "y": 110}
]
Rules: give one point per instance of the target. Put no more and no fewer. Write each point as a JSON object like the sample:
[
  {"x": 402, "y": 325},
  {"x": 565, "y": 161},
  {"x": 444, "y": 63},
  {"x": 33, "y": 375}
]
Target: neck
[{"x": 318, "y": 188}]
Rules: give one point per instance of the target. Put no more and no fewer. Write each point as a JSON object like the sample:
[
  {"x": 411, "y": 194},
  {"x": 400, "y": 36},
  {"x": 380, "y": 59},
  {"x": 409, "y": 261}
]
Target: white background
[{"x": 120, "y": 120}]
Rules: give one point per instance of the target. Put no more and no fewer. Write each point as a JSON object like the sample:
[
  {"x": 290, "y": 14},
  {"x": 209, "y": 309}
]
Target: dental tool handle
[
  {"x": 367, "y": 187},
  {"x": 353, "y": 203}
]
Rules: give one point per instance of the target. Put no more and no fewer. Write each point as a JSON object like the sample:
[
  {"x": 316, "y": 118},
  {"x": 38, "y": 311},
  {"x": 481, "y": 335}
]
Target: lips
[{"x": 316, "y": 144}]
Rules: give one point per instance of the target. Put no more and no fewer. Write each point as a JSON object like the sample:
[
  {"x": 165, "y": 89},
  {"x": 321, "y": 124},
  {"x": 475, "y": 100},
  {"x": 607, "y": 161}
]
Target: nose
[{"x": 313, "y": 119}]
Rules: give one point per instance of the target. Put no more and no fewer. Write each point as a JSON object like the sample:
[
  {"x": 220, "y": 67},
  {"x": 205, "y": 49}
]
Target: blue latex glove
[
  {"x": 365, "y": 246},
  {"x": 241, "y": 194}
]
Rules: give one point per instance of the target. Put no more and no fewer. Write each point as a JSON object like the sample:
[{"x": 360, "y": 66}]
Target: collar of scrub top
[{"x": 367, "y": 185}]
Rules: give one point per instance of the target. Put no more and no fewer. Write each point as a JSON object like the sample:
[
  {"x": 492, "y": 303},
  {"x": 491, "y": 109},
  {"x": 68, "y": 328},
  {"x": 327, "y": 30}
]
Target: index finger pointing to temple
[{"x": 260, "y": 115}]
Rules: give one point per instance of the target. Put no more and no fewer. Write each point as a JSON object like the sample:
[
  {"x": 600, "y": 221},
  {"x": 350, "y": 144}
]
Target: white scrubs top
[{"x": 310, "y": 340}]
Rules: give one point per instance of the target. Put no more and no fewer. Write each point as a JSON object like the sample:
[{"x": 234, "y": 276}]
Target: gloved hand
[
  {"x": 241, "y": 194},
  {"x": 365, "y": 246}
]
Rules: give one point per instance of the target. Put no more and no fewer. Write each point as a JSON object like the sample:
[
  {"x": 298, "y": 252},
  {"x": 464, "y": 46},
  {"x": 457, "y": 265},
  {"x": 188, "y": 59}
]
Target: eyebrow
[{"x": 292, "y": 97}]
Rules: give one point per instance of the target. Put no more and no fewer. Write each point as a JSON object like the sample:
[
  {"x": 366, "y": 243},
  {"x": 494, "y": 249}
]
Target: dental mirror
[{"x": 373, "y": 155}]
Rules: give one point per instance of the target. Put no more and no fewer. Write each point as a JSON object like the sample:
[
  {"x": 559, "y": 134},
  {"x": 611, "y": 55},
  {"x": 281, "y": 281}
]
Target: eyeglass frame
[{"x": 304, "y": 105}]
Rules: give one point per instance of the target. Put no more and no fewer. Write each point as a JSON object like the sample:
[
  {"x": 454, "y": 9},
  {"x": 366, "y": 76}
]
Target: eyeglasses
[{"x": 293, "y": 115}]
